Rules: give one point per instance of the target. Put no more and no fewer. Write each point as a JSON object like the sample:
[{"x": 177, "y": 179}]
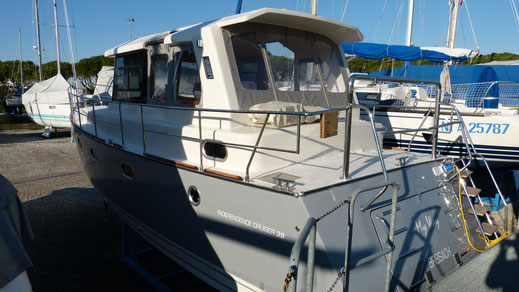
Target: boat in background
[
  {"x": 214, "y": 155},
  {"x": 47, "y": 102},
  {"x": 489, "y": 109},
  {"x": 13, "y": 99}
]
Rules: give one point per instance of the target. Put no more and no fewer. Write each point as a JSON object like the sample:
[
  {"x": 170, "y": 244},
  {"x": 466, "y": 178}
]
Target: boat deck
[
  {"x": 494, "y": 270},
  {"x": 325, "y": 170}
]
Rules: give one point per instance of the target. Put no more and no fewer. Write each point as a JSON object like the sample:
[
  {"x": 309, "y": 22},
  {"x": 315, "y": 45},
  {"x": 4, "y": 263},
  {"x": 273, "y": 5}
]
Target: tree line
[{"x": 85, "y": 69}]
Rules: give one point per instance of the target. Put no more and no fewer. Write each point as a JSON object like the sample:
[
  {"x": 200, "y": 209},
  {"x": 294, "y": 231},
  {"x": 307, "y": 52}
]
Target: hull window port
[
  {"x": 215, "y": 150},
  {"x": 127, "y": 171},
  {"x": 93, "y": 155},
  {"x": 193, "y": 195}
]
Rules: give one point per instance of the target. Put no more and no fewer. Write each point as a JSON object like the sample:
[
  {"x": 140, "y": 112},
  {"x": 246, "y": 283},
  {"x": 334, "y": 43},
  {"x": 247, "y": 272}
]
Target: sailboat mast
[
  {"x": 38, "y": 36},
  {"x": 453, "y": 22},
  {"x": 409, "y": 31},
  {"x": 21, "y": 58},
  {"x": 57, "y": 35}
]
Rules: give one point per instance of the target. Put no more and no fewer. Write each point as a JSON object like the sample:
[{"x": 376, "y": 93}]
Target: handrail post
[
  {"x": 377, "y": 140},
  {"x": 121, "y": 125},
  {"x": 94, "y": 116},
  {"x": 347, "y": 143},
  {"x": 201, "y": 144},
  {"x": 311, "y": 260},
  {"x": 79, "y": 111},
  {"x": 394, "y": 200},
  {"x": 347, "y": 252},
  {"x": 436, "y": 120},
  {"x": 142, "y": 131},
  {"x": 247, "y": 177},
  {"x": 295, "y": 254}
]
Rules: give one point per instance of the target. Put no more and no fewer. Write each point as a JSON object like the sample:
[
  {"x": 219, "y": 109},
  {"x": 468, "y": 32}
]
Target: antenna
[{"x": 130, "y": 20}]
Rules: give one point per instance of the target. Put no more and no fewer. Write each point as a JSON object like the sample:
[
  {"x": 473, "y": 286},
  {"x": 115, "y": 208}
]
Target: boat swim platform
[{"x": 496, "y": 269}]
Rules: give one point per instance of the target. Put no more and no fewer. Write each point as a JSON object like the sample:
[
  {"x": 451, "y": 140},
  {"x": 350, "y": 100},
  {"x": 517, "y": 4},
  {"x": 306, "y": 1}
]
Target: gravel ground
[{"x": 77, "y": 245}]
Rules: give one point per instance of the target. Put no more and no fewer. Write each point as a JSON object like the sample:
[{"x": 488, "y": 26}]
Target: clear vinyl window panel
[
  {"x": 188, "y": 87},
  {"x": 159, "y": 78},
  {"x": 277, "y": 63},
  {"x": 250, "y": 62}
]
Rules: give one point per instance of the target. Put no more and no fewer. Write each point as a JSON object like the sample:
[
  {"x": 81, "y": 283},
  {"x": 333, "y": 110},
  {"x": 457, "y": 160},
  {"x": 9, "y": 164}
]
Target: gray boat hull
[{"x": 240, "y": 235}]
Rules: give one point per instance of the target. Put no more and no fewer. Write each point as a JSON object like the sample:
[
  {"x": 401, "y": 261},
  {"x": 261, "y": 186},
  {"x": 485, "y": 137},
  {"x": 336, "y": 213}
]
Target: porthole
[
  {"x": 215, "y": 150},
  {"x": 127, "y": 171},
  {"x": 193, "y": 195},
  {"x": 93, "y": 155}
]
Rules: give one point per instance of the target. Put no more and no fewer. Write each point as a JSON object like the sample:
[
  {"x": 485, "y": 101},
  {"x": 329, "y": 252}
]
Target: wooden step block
[
  {"x": 488, "y": 228},
  {"x": 473, "y": 192},
  {"x": 466, "y": 173},
  {"x": 480, "y": 210}
]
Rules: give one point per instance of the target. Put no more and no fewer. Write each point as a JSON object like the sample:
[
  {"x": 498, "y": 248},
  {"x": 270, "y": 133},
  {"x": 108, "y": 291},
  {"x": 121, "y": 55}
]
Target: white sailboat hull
[
  {"x": 494, "y": 136},
  {"x": 47, "y": 103}
]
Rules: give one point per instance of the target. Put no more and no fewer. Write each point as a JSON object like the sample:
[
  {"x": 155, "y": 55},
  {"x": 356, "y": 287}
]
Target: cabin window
[
  {"x": 158, "y": 78},
  {"x": 303, "y": 67},
  {"x": 331, "y": 67},
  {"x": 187, "y": 78},
  {"x": 251, "y": 66},
  {"x": 130, "y": 78}
]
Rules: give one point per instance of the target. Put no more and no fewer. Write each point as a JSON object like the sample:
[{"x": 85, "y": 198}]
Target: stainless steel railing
[
  {"x": 437, "y": 85},
  {"x": 465, "y": 135},
  {"x": 80, "y": 102},
  {"x": 309, "y": 233}
]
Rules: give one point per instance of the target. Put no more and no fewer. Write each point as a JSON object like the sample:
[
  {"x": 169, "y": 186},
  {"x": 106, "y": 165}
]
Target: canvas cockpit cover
[
  {"x": 105, "y": 80},
  {"x": 408, "y": 53},
  {"x": 50, "y": 91},
  {"x": 458, "y": 73}
]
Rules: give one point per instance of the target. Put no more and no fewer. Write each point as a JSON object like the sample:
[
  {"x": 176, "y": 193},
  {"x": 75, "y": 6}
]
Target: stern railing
[
  {"x": 308, "y": 233},
  {"x": 471, "y": 151}
]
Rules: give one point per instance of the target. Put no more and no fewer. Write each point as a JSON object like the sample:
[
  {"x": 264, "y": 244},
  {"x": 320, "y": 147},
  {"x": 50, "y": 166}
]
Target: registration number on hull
[{"x": 480, "y": 128}]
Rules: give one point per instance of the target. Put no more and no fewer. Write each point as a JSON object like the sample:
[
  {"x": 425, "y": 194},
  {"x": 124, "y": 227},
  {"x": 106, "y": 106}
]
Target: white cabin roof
[
  {"x": 137, "y": 44},
  {"x": 335, "y": 30}
]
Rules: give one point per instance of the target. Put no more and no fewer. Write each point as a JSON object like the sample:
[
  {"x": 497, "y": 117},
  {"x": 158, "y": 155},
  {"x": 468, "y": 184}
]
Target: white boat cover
[
  {"x": 458, "y": 53},
  {"x": 50, "y": 91},
  {"x": 105, "y": 80}
]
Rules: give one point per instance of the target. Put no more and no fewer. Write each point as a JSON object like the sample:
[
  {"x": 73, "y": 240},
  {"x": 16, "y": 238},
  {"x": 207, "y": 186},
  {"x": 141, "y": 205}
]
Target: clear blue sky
[{"x": 100, "y": 25}]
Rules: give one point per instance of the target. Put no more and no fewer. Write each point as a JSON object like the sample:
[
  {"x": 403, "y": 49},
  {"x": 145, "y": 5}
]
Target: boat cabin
[{"x": 246, "y": 95}]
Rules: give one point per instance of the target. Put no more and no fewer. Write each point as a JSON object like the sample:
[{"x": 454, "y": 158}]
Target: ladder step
[
  {"x": 480, "y": 210},
  {"x": 473, "y": 192},
  {"x": 466, "y": 173},
  {"x": 488, "y": 228}
]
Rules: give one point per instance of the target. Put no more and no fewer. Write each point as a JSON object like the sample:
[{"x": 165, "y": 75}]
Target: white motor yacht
[{"x": 228, "y": 144}]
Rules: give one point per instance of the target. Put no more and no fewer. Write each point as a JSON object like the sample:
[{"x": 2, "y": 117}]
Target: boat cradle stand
[{"x": 133, "y": 257}]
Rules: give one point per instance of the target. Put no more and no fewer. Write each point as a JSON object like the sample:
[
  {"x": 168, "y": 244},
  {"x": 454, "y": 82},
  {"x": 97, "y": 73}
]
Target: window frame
[{"x": 143, "y": 82}]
